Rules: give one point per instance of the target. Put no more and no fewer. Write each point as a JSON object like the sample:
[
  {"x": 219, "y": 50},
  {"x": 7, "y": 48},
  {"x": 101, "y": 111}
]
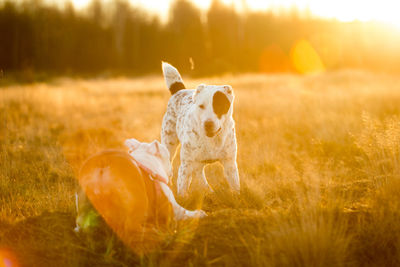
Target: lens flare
[
  {"x": 305, "y": 59},
  {"x": 128, "y": 200},
  {"x": 7, "y": 259}
]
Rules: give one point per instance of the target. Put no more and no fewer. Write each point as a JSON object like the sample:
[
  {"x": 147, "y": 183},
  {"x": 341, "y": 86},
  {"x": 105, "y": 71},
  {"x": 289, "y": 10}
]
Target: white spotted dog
[
  {"x": 108, "y": 174},
  {"x": 201, "y": 120}
]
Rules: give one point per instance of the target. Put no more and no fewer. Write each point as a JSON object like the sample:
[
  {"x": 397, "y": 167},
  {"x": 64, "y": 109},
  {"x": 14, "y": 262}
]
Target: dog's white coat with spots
[{"x": 201, "y": 120}]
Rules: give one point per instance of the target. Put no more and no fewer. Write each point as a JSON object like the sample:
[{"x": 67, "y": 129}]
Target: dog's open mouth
[{"x": 212, "y": 134}]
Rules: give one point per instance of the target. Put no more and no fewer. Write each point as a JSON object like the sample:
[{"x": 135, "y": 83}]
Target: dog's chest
[
  {"x": 203, "y": 149},
  {"x": 210, "y": 152}
]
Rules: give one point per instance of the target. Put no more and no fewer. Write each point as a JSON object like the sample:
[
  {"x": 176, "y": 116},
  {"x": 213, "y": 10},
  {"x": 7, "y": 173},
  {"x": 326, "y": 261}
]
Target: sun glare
[
  {"x": 343, "y": 10},
  {"x": 80, "y": 3}
]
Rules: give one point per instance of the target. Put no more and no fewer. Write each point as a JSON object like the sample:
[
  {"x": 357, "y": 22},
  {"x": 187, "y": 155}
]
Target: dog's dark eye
[{"x": 201, "y": 106}]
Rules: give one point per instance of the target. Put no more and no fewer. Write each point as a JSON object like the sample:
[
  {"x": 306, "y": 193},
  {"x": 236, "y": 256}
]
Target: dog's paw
[
  {"x": 192, "y": 214},
  {"x": 197, "y": 214},
  {"x": 200, "y": 214}
]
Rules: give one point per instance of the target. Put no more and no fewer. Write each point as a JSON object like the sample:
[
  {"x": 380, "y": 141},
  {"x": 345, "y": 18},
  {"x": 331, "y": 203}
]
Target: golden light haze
[
  {"x": 318, "y": 159},
  {"x": 383, "y": 11}
]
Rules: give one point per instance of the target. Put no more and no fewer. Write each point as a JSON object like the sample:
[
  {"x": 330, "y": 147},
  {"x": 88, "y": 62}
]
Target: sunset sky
[{"x": 344, "y": 10}]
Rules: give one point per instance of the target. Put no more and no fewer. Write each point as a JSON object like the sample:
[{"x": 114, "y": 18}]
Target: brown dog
[{"x": 130, "y": 192}]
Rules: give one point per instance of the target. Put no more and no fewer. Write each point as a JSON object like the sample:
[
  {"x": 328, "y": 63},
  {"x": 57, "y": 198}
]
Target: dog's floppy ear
[
  {"x": 154, "y": 147},
  {"x": 228, "y": 89},
  {"x": 132, "y": 143},
  {"x": 199, "y": 88}
]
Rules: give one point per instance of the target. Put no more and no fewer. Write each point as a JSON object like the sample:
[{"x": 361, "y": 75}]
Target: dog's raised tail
[{"x": 172, "y": 78}]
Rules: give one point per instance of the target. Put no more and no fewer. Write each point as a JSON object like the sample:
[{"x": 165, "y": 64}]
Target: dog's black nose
[{"x": 209, "y": 126}]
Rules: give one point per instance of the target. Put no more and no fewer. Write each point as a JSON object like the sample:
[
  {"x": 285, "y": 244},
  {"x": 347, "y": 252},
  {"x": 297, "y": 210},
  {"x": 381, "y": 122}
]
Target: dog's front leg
[
  {"x": 170, "y": 140},
  {"x": 231, "y": 173},
  {"x": 180, "y": 213},
  {"x": 184, "y": 177},
  {"x": 199, "y": 175}
]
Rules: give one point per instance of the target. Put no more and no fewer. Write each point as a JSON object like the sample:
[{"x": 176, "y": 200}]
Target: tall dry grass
[{"x": 318, "y": 159}]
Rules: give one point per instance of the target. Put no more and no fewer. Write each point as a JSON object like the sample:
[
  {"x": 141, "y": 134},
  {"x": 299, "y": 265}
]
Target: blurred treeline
[{"x": 119, "y": 38}]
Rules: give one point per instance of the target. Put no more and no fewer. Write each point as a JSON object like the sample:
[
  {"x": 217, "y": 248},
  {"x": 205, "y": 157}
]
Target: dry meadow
[{"x": 318, "y": 156}]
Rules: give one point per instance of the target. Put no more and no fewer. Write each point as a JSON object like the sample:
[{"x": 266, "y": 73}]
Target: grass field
[{"x": 318, "y": 156}]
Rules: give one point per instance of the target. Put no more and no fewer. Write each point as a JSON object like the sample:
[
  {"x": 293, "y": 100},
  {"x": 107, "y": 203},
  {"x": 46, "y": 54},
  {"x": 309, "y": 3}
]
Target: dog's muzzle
[{"x": 209, "y": 129}]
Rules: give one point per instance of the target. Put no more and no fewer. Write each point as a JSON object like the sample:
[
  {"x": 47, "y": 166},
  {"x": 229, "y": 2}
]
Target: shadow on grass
[
  {"x": 237, "y": 232},
  {"x": 49, "y": 240}
]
